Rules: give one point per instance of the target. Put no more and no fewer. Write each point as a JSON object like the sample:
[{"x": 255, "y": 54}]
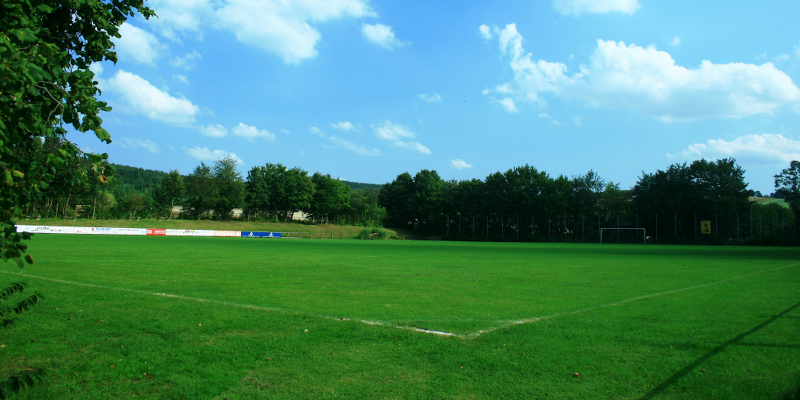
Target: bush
[{"x": 372, "y": 234}]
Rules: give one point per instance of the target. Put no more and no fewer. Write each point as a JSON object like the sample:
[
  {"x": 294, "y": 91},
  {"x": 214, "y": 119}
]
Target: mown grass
[{"x": 271, "y": 324}]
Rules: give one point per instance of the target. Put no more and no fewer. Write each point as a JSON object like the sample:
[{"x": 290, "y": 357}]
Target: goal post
[{"x": 644, "y": 232}]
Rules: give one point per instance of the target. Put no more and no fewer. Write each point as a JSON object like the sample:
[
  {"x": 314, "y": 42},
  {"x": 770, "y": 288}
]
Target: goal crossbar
[{"x": 644, "y": 231}]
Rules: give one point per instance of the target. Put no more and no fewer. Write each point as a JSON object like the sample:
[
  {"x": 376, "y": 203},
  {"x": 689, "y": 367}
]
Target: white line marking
[
  {"x": 505, "y": 323},
  {"x": 647, "y": 296}
]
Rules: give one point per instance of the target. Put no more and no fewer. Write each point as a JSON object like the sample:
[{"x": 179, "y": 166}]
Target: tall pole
[{"x": 656, "y": 227}]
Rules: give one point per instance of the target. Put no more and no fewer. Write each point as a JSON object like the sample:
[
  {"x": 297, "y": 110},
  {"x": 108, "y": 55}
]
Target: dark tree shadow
[
  {"x": 696, "y": 363},
  {"x": 793, "y": 394}
]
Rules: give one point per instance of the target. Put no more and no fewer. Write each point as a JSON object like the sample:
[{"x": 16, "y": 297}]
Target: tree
[
  {"x": 201, "y": 191},
  {"x": 364, "y": 207},
  {"x": 46, "y": 49},
  {"x": 708, "y": 189},
  {"x": 258, "y": 187},
  {"x": 171, "y": 190},
  {"x": 787, "y": 184},
  {"x": 295, "y": 192},
  {"x": 331, "y": 197},
  {"x": 230, "y": 187},
  {"x": 396, "y": 198}
]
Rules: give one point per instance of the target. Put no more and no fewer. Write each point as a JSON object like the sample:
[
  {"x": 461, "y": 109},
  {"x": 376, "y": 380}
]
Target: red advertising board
[{"x": 156, "y": 232}]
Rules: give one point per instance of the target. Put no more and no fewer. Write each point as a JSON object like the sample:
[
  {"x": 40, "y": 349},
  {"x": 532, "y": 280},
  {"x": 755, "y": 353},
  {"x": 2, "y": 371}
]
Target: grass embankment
[
  {"x": 210, "y": 225},
  {"x": 204, "y": 318}
]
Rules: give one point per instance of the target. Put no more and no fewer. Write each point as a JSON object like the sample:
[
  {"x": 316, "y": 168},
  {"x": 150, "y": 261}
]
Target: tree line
[
  {"x": 521, "y": 203},
  {"x": 269, "y": 192},
  {"x": 527, "y": 204}
]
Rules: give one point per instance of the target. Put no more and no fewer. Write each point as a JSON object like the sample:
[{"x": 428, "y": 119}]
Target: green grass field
[{"x": 216, "y": 318}]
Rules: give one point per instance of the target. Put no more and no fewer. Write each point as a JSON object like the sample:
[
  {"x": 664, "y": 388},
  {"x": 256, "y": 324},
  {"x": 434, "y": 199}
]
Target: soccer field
[{"x": 166, "y": 317}]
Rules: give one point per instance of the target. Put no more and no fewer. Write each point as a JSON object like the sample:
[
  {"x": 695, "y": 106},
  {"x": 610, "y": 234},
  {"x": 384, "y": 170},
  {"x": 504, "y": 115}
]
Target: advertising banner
[
  {"x": 228, "y": 233},
  {"x": 33, "y": 228},
  {"x": 156, "y": 232},
  {"x": 74, "y": 230},
  {"x": 119, "y": 231},
  {"x": 189, "y": 232},
  {"x": 261, "y": 234}
]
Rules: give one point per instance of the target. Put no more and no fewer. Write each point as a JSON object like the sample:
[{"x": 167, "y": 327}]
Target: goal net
[{"x": 623, "y": 235}]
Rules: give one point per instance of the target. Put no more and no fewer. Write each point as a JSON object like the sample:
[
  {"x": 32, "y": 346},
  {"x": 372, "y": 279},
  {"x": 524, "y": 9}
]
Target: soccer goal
[{"x": 644, "y": 232}]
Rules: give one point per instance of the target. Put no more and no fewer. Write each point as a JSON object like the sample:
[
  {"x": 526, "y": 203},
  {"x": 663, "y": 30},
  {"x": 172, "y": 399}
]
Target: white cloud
[
  {"x": 343, "y": 126},
  {"x": 179, "y": 16},
  {"x": 214, "y": 130},
  {"x": 577, "y": 120},
  {"x": 204, "y": 154},
  {"x": 797, "y": 50},
  {"x": 416, "y": 146},
  {"x": 382, "y": 35},
  {"x": 286, "y": 131},
  {"x": 97, "y": 68},
  {"x": 434, "y": 98},
  {"x": 485, "y": 32},
  {"x": 676, "y": 41},
  {"x": 361, "y": 150},
  {"x": 765, "y": 148},
  {"x": 460, "y": 164},
  {"x": 386, "y": 130},
  {"x": 508, "y": 104},
  {"x": 138, "y": 45},
  {"x": 648, "y": 82},
  {"x": 316, "y": 131},
  {"x": 186, "y": 62},
  {"x": 251, "y": 132},
  {"x": 181, "y": 78},
  {"x": 783, "y": 57},
  {"x": 145, "y": 144},
  {"x": 551, "y": 119},
  {"x": 281, "y": 27},
  {"x": 578, "y": 7},
  {"x": 143, "y": 98}
]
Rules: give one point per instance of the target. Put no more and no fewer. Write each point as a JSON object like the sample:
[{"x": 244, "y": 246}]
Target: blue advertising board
[{"x": 261, "y": 234}]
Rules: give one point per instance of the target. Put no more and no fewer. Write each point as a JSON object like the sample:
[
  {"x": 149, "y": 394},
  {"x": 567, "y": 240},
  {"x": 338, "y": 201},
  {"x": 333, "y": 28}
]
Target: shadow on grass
[
  {"x": 793, "y": 394},
  {"x": 696, "y": 363}
]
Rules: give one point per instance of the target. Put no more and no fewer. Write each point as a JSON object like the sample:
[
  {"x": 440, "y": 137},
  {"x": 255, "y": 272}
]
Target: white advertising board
[
  {"x": 228, "y": 233},
  {"x": 119, "y": 231},
  {"x": 189, "y": 232}
]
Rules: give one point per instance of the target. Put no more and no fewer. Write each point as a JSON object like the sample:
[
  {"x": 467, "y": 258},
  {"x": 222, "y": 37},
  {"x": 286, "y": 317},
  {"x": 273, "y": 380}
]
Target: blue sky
[{"x": 367, "y": 89}]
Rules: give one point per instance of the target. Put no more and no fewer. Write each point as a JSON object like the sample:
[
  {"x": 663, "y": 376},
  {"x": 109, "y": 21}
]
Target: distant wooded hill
[{"x": 145, "y": 180}]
